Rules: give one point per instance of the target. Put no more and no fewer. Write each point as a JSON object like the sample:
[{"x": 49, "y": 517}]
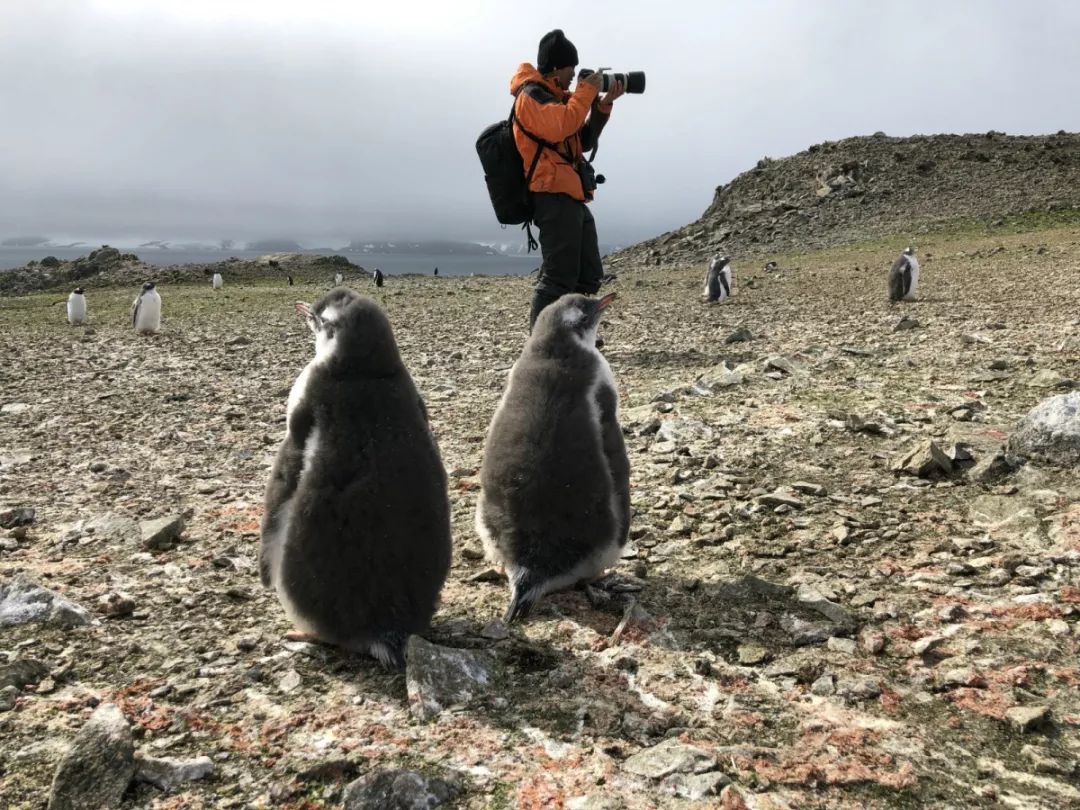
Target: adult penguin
[
  {"x": 146, "y": 310},
  {"x": 904, "y": 277},
  {"x": 76, "y": 307},
  {"x": 718, "y": 280},
  {"x": 554, "y": 506}
]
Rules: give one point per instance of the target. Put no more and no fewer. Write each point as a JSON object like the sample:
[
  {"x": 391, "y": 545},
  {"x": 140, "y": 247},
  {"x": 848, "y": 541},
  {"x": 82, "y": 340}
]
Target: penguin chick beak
[
  {"x": 605, "y": 302},
  {"x": 303, "y": 309}
]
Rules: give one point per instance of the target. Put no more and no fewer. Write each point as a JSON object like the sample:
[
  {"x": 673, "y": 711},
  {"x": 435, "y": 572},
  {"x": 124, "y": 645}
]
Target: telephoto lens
[{"x": 634, "y": 81}]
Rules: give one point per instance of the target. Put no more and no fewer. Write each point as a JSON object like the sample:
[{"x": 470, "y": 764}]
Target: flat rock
[
  {"x": 1050, "y": 433},
  {"x": 113, "y": 528},
  {"x": 1027, "y": 718},
  {"x": 397, "y": 790},
  {"x": 906, "y": 323},
  {"x": 437, "y": 677},
  {"x": 695, "y": 786},
  {"x": 752, "y": 654},
  {"x": 781, "y": 498},
  {"x": 670, "y": 756},
  {"x": 96, "y": 770},
  {"x": 166, "y": 773},
  {"x": 161, "y": 533},
  {"x": 22, "y": 602},
  {"x": 814, "y": 600}
]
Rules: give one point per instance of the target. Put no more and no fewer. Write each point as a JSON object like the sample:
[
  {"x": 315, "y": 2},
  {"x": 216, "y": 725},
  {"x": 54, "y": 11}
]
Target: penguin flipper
[
  {"x": 907, "y": 279},
  {"x": 284, "y": 479},
  {"x": 135, "y": 311},
  {"x": 526, "y": 588}
]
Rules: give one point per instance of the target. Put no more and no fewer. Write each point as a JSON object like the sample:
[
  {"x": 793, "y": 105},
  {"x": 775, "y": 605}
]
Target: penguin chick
[
  {"x": 904, "y": 277},
  {"x": 356, "y": 528},
  {"x": 717, "y": 280},
  {"x": 76, "y": 307},
  {"x": 146, "y": 310},
  {"x": 554, "y": 506},
  {"x": 217, "y": 281}
]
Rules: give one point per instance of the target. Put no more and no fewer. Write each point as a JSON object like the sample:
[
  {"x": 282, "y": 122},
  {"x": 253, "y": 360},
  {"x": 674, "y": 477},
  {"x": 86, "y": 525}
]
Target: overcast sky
[{"x": 212, "y": 119}]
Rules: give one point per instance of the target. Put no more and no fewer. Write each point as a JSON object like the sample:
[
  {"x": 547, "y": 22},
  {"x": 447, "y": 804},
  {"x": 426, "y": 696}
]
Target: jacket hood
[{"x": 526, "y": 72}]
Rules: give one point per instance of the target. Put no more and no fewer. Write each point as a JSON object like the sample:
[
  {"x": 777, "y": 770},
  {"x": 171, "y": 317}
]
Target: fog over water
[{"x": 134, "y": 120}]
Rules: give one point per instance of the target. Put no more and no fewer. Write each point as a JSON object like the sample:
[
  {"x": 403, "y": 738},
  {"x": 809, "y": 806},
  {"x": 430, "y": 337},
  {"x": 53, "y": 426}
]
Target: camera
[
  {"x": 633, "y": 81},
  {"x": 589, "y": 178}
]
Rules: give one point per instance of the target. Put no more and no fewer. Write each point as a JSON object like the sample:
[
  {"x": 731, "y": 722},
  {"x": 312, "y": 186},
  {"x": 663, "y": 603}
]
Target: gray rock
[
  {"x": 116, "y": 604},
  {"x": 23, "y": 516},
  {"x": 22, "y": 672},
  {"x": 161, "y": 533},
  {"x": 823, "y": 686},
  {"x": 98, "y": 767},
  {"x": 437, "y": 677},
  {"x": 810, "y": 488},
  {"x": 804, "y": 633},
  {"x": 752, "y": 654},
  {"x": 397, "y": 790},
  {"x": 781, "y": 498},
  {"x": 1049, "y": 434},
  {"x": 925, "y": 461},
  {"x": 8, "y": 696},
  {"x": 906, "y": 323},
  {"x": 859, "y": 688},
  {"x": 989, "y": 468},
  {"x": 809, "y": 597},
  {"x": 740, "y": 335},
  {"x": 113, "y": 528},
  {"x": 22, "y": 602},
  {"x": 166, "y": 773},
  {"x": 695, "y": 786},
  {"x": 670, "y": 756}
]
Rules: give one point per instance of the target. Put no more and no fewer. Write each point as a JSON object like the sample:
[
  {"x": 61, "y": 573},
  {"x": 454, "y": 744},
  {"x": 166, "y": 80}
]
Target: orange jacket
[{"x": 556, "y": 116}]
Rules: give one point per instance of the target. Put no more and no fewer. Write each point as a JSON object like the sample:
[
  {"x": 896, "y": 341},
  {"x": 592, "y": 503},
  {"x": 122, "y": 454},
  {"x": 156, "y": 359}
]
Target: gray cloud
[{"x": 321, "y": 121}]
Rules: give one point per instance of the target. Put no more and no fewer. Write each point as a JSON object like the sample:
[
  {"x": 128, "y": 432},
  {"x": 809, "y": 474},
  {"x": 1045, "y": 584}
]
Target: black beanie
[{"x": 555, "y": 52}]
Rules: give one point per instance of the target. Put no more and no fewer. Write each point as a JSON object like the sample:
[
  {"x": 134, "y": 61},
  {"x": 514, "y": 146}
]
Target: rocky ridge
[
  {"x": 108, "y": 267},
  {"x": 856, "y": 189}
]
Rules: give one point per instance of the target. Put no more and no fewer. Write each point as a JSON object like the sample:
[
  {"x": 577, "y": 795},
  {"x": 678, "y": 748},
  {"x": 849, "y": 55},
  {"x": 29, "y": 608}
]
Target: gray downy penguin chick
[
  {"x": 76, "y": 307},
  {"x": 338, "y": 278},
  {"x": 146, "y": 310},
  {"x": 356, "y": 529},
  {"x": 217, "y": 281},
  {"x": 904, "y": 277},
  {"x": 717, "y": 280},
  {"x": 554, "y": 506}
]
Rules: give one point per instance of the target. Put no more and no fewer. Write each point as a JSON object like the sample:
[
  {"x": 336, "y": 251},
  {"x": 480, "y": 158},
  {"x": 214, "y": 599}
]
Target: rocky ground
[{"x": 796, "y": 624}]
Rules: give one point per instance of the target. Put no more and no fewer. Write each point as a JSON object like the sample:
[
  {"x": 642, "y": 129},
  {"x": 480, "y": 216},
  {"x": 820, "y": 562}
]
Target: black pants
[{"x": 570, "y": 250}]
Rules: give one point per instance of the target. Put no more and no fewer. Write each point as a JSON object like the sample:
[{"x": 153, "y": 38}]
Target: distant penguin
[
  {"x": 904, "y": 277},
  {"x": 76, "y": 307},
  {"x": 356, "y": 527},
  {"x": 146, "y": 311},
  {"x": 718, "y": 280},
  {"x": 290, "y": 280},
  {"x": 554, "y": 505},
  {"x": 217, "y": 281},
  {"x": 378, "y": 277},
  {"x": 771, "y": 267},
  {"x": 436, "y": 271},
  {"x": 338, "y": 279}
]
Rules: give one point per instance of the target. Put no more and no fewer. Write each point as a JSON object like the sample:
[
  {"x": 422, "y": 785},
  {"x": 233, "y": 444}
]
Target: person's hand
[
  {"x": 594, "y": 79},
  {"x": 617, "y": 89}
]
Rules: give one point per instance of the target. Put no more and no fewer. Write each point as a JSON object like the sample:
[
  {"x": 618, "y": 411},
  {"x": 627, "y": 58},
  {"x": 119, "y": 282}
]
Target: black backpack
[{"x": 505, "y": 175}]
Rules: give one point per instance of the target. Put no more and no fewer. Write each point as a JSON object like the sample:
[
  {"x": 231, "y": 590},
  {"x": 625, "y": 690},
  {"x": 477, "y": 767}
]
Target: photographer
[{"x": 562, "y": 181}]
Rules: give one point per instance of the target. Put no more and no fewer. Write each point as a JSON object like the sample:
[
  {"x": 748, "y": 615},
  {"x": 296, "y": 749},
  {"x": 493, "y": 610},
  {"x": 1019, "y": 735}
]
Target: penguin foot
[
  {"x": 616, "y": 583},
  {"x": 300, "y": 635}
]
